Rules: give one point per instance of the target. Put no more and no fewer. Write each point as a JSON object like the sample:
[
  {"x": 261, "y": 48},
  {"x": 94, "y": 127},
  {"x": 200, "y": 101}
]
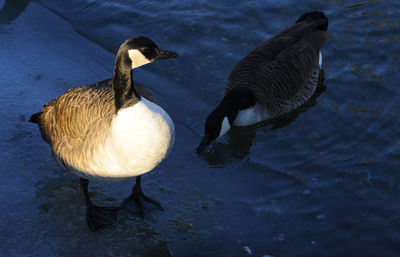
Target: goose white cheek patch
[
  {"x": 137, "y": 58},
  {"x": 224, "y": 127}
]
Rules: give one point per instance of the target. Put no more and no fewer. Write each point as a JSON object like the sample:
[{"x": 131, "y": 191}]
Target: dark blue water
[{"x": 322, "y": 181}]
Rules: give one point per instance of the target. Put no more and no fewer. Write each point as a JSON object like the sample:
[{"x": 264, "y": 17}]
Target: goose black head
[
  {"x": 133, "y": 53},
  {"x": 138, "y": 51},
  {"x": 217, "y": 124},
  {"x": 220, "y": 120}
]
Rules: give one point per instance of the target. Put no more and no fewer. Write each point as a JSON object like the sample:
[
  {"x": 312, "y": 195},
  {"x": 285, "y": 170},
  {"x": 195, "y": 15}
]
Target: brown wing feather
[
  {"x": 281, "y": 71},
  {"x": 66, "y": 121}
]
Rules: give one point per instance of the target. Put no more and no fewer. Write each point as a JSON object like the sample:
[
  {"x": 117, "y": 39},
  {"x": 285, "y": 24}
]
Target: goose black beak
[
  {"x": 206, "y": 141},
  {"x": 165, "y": 54}
]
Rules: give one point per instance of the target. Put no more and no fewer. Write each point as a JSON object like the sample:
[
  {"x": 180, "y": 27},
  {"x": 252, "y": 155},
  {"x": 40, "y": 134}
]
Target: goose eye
[{"x": 145, "y": 50}]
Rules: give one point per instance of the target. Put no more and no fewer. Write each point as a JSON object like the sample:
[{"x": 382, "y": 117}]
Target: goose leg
[
  {"x": 97, "y": 217},
  {"x": 138, "y": 203}
]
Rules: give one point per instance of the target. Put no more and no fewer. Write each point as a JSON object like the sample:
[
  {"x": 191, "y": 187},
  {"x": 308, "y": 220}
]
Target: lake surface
[{"x": 322, "y": 181}]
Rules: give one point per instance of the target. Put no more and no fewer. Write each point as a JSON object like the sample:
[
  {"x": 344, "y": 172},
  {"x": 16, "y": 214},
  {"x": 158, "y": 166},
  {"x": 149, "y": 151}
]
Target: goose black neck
[
  {"x": 237, "y": 99},
  {"x": 125, "y": 94}
]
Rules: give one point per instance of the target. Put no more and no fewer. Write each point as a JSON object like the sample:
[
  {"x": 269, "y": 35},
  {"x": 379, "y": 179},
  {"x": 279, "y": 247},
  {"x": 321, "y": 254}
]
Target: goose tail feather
[
  {"x": 35, "y": 117},
  {"x": 315, "y": 17}
]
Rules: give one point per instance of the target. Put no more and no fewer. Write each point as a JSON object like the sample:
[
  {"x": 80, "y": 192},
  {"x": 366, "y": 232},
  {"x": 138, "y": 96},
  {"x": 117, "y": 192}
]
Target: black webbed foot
[
  {"x": 138, "y": 203},
  {"x": 98, "y": 217}
]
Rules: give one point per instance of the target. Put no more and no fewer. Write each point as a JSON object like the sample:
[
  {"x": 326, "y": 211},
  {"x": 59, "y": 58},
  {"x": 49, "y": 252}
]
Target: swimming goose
[
  {"x": 110, "y": 133},
  {"x": 276, "y": 77}
]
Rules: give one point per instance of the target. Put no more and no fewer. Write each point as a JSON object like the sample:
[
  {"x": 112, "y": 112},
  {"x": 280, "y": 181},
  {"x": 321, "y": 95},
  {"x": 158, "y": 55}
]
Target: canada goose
[
  {"x": 105, "y": 133},
  {"x": 276, "y": 77}
]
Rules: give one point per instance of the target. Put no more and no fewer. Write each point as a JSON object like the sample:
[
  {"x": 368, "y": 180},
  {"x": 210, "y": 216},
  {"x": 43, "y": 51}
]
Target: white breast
[
  {"x": 320, "y": 59},
  {"x": 141, "y": 137},
  {"x": 251, "y": 116}
]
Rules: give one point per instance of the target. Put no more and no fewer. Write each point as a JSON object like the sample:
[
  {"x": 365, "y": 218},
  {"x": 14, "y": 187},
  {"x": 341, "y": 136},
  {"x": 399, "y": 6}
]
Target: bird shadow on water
[
  {"x": 239, "y": 140},
  {"x": 61, "y": 213}
]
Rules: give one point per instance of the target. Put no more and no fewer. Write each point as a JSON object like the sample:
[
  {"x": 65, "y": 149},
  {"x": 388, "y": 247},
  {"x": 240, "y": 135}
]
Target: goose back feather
[{"x": 282, "y": 72}]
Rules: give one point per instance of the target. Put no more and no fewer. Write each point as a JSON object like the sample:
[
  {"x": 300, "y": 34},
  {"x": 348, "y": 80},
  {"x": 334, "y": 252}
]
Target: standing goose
[
  {"x": 105, "y": 133},
  {"x": 276, "y": 77}
]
